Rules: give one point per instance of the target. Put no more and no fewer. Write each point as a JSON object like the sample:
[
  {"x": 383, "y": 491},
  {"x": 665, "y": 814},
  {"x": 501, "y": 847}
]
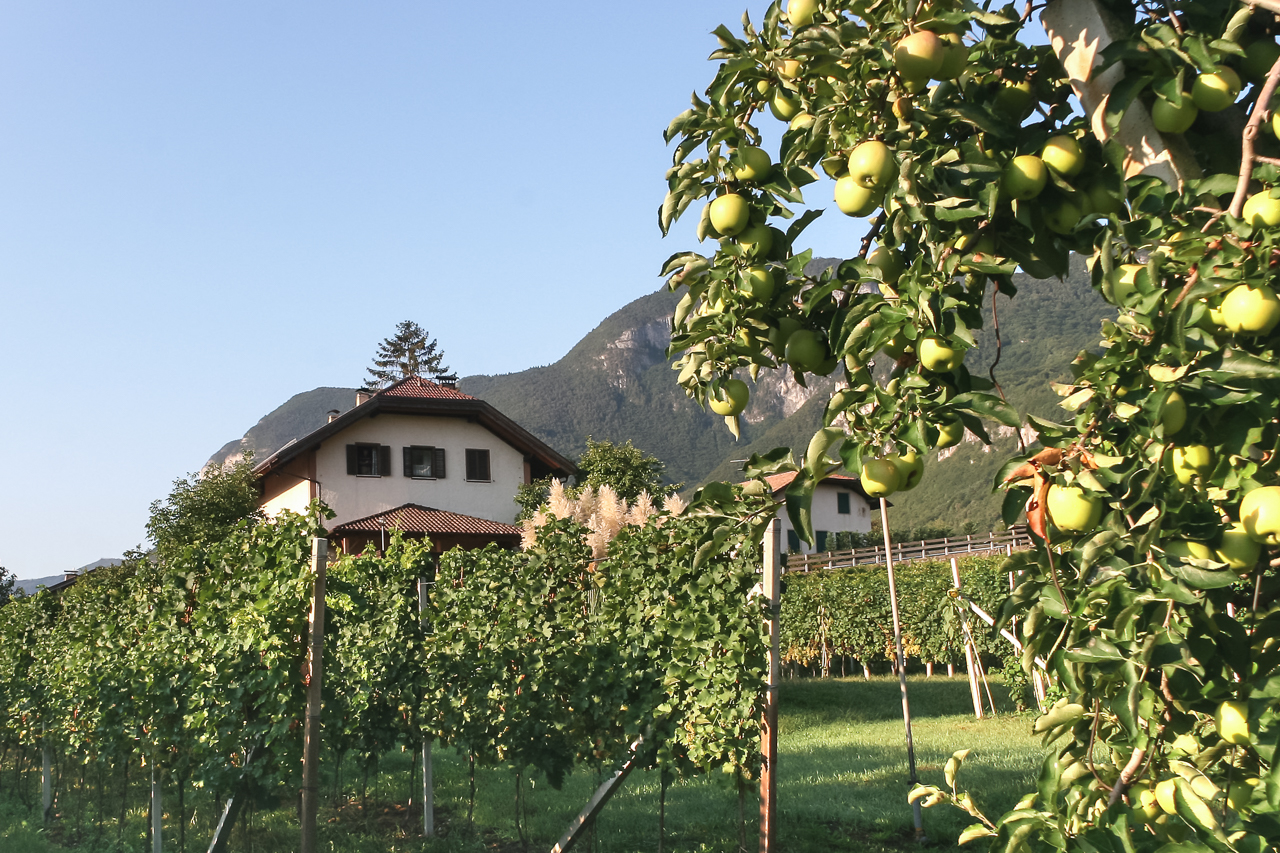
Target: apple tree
[{"x": 1137, "y": 137}]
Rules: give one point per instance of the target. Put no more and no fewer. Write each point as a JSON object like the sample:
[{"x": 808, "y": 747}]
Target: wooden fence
[{"x": 1016, "y": 538}]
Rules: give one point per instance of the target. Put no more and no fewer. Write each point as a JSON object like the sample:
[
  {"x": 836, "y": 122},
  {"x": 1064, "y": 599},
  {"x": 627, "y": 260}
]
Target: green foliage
[
  {"x": 847, "y": 611},
  {"x": 202, "y": 508},
  {"x": 411, "y": 352},
  {"x": 625, "y": 468},
  {"x": 1145, "y": 646}
]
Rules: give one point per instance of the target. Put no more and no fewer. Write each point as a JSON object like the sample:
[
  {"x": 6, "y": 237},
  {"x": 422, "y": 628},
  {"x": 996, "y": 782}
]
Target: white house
[
  {"x": 839, "y": 505},
  {"x": 418, "y": 456}
]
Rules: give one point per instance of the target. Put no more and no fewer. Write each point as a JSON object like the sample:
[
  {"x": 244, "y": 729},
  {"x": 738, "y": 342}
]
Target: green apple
[
  {"x": 1259, "y": 56},
  {"x": 1025, "y": 177},
  {"x": 1260, "y": 515},
  {"x": 1216, "y": 91},
  {"x": 1275, "y": 123},
  {"x": 1188, "y": 549},
  {"x": 919, "y": 56},
  {"x": 756, "y": 164},
  {"x": 800, "y": 12},
  {"x": 853, "y": 199},
  {"x": 888, "y": 261},
  {"x": 897, "y": 346},
  {"x": 784, "y": 108},
  {"x": 1232, "y": 722},
  {"x": 789, "y": 69},
  {"x": 939, "y": 356},
  {"x": 1166, "y": 795},
  {"x": 1062, "y": 217},
  {"x": 1147, "y": 803},
  {"x": 732, "y": 399},
  {"x": 1238, "y": 549},
  {"x": 1261, "y": 210},
  {"x": 871, "y": 164},
  {"x": 1099, "y": 200},
  {"x": 879, "y": 478},
  {"x": 757, "y": 240},
  {"x": 1240, "y": 793},
  {"x": 955, "y": 57},
  {"x": 1073, "y": 509},
  {"x": 1013, "y": 99},
  {"x": 950, "y": 433},
  {"x": 757, "y": 282},
  {"x": 1194, "y": 460},
  {"x": 910, "y": 469},
  {"x": 805, "y": 351},
  {"x": 1250, "y": 310},
  {"x": 1173, "y": 416},
  {"x": 1170, "y": 119},
  {"x": 1124, "y": 282},
  {"x": 1063, "y": 155},
  {"x": 801, "y": 120},
  {"x": 729, "y": 213}
]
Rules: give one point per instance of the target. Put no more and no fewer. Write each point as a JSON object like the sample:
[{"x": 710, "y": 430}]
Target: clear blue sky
[{"x": 207, "y": 208}]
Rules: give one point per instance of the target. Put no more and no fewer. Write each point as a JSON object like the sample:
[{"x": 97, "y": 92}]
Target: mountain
[
  {"x": 299, "y": 415},
  {"x": 616, "y": 384}
]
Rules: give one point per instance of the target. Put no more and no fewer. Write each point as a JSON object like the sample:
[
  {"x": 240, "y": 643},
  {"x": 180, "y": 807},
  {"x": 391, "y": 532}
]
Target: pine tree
[
  {"x": 412, "y": 352},
  {"x": 7, "y": 582}
]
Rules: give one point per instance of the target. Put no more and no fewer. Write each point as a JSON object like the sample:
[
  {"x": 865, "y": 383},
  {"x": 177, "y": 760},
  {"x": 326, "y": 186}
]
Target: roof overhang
[{"x": 470, "y": 408}]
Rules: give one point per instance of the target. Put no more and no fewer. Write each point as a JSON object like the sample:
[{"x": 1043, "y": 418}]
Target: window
[
  {"x": 822, "y": 540},
  {"x": 478, "y": 465},
  {"x": 793, "y": 542},
  {"x": 368, "y": 460},
  {"x": 424, "y": 463},
  {"x": 842, "y": 503}
]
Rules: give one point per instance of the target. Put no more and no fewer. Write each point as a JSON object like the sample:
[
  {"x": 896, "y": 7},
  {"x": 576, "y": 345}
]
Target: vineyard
[{"x": 190, "y": 673}]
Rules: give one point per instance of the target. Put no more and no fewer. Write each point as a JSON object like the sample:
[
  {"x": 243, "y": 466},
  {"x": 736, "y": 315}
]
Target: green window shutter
[
  {"x": 438, "y": 467},
  {"x": 842, "y": 503},
  {"x": 351, "y": 459},
  {"x": 384, "y": 461},
  {"x": 822, "y": 539},
  {"x": 793, "y": 540},
  {"x": 408, "y": 461}
]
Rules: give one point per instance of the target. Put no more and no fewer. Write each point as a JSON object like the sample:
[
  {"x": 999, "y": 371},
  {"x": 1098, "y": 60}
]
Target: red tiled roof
[
  {"x": 416, "y": 386},
  {"x": 412, "y": 518},
  {"x": 781, "y": 481}
]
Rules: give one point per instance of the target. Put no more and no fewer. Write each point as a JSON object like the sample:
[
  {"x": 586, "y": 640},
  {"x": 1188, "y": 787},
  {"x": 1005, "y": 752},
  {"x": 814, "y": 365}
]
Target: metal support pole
[
  {"x": 315, "y": 667},
  {"x": 769, "y": 733},
  {"x": 975, "y": 691},
  {"x": 902, "y": 667},
  {"x": 428, "y": 792}
]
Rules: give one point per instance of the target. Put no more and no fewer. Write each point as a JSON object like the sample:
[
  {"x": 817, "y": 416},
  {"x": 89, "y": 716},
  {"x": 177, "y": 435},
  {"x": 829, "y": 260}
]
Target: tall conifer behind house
[{"x": 411, "y": 352}]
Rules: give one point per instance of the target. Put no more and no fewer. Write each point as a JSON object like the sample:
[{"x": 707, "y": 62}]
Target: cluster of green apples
[
  {"x": 1214, "y": 89},
  {"x": 895, "y": 472}
]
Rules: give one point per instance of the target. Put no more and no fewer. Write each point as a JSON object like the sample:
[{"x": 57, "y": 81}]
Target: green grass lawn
[{"x": 843, "y": 784}]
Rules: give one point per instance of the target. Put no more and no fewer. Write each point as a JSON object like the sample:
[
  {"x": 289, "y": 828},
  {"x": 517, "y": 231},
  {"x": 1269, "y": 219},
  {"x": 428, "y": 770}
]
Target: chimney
[
  {"x": 362, "y": 397},
  {"x": 449, "y": 381},
  {"x": 333, "y": 415}
]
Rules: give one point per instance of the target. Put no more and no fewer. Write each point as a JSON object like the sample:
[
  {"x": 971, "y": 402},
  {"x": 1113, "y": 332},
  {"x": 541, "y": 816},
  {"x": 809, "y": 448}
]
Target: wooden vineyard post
[
  {"x": 311, "y": 731},
  {"x": 902, "y": 666},
  {"x": 46, "y": 775},
  {"x": 975, "y": 691},
  {"x": 428, "y": 793},
  {"x": 769, "y": 731},
  {"x": 157, "y": 811}
]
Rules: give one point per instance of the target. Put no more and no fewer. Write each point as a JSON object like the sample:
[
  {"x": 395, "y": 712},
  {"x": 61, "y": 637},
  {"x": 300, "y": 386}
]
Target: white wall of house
[
  {"x": 827, "y": 517},
  {"x": 352, "y": 496}
]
